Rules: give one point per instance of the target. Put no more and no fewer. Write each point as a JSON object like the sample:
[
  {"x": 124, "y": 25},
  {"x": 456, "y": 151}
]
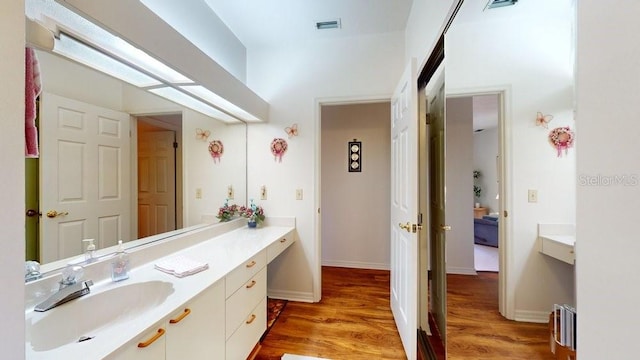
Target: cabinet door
[
  {"x": 153, "y": 348},
  {"x": 196, "y": 331}
]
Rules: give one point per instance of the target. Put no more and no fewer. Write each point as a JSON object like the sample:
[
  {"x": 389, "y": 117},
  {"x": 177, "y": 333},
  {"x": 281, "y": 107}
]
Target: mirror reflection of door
[
  {"x": 156, "y": 176},
  {"x": 84, "y": 176},
  {"x": 438, "y": 225}
]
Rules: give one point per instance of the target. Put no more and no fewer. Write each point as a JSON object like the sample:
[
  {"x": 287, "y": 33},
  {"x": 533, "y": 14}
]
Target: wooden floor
[
  {"x": 354, "y": 321},
  {"x": 476, "y": 330}
]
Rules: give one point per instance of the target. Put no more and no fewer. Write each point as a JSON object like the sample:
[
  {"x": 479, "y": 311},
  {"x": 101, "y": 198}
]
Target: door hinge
[
  {"x": 175, "y": 144},
  {"x": 427, "y": 119}
]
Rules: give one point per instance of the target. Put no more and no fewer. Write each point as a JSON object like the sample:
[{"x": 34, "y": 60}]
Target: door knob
[
  {"x": 406, "y": 226},
  {"x": 52, "y": 213},
  {"x": 445, "y": 227},
  {"x": 32, "y": 213}
]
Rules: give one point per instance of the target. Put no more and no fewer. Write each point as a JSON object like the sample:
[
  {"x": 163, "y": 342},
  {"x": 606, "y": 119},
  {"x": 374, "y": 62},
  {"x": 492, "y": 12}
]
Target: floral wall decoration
[
  {"x": 278, "y": 148},
  {"x": 216, "y": 149},
  {"x": 561, "y": 138},
  {"x": 543, "y": 120},
  {"x": 291, "y": 130},
  {"x": 202, "y": 135}
]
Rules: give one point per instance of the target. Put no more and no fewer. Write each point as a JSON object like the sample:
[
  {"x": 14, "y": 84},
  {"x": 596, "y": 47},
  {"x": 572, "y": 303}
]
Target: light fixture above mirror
[{"x": 83, "y": 41}]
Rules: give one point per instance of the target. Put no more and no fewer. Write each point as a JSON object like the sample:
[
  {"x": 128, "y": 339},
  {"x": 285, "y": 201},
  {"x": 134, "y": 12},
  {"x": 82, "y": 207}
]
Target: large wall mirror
[
  {"x": 509, "y": 75},
  {"x": 108, "y": 168}
]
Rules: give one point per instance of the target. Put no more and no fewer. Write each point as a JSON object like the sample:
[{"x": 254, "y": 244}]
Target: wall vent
[
  {"x": 329, "y": 24},
  {"x": 500, "y": 3}
]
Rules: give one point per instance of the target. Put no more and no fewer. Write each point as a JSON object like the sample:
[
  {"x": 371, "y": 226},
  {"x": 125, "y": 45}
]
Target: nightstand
[{"x": 478, "y": 213}]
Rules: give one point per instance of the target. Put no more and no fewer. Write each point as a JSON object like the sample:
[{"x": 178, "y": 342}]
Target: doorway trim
[
  {"x": 506, "y": 281},
  {"x": 319, "y": 103}
]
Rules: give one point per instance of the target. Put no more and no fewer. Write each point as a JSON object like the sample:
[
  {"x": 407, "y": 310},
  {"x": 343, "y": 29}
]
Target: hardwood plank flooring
[
  {"x": 353, "y": 321},
  {"x": 476, "y": 330}
]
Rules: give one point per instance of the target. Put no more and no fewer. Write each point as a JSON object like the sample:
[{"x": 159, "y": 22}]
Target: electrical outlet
[
  {"x": 230, "y": 192},
  {"x": 298, "y": 194},
  {"x": 198, "y": 193},
  {"x": 533, "y": 196},
  {"x": 263, "y": 192}
]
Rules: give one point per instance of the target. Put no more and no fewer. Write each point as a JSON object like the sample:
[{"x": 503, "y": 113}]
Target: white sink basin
[{"x": 86, "y": 316}]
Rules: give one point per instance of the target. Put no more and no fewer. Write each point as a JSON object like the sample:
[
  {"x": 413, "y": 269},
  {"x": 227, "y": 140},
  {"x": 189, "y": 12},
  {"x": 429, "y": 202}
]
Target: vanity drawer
[
  {"x": 241, "y": 343},
  {"x": 242, "y": 302},
  {"x": 279, "y": 246},
  {"x": 244, "y": 272}
]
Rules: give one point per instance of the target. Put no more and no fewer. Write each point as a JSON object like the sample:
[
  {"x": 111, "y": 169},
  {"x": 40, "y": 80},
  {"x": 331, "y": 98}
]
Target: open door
[
  {"x": 438, "y": 225},
  {"x": 404, "y": 209}
]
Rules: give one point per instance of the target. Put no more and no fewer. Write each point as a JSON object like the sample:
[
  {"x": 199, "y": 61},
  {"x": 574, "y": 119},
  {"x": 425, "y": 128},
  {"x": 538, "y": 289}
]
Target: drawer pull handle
[
  {"x": 253, "y": 283},
  {"x": 253, "y": 317},
  {"x": 251, "y": 264},
  {"x": 283, "y": 240},
  {"x": 184, "y": 314},
  {"x": 152, "y": 340}
]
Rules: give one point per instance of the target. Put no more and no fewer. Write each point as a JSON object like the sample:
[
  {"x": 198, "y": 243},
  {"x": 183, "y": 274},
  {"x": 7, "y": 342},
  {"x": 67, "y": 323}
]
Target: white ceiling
[{"x": 263, "y": 22}]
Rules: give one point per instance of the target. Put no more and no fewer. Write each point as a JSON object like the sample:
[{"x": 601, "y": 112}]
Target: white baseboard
[
  {"x": 461, "y": 271},
  {"x": 532, "y": 316},
  {"x": 290, "y": 295},
  {"x": 356, "y": 265}
]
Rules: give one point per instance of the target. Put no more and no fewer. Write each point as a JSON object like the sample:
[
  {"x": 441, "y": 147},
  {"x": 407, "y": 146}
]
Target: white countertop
[{"x": 223, "y": 253}]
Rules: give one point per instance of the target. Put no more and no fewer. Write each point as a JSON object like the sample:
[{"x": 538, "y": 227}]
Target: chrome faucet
[{"x": 69, "y": 289}]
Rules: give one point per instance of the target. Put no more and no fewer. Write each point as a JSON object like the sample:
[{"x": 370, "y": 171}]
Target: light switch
[
  {"x": 533, "y": 196},
  {"x": 230, "y": 192},
  {"x": 263, "y": 192},
  {"x": 199, "y": 193},
  {"x": 298, "y": 194}
]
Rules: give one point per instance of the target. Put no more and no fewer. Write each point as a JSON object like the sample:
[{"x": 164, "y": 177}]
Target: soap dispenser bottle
[
  {"x": 120, "y": 264},
  {"x": 89, "y": 254}
]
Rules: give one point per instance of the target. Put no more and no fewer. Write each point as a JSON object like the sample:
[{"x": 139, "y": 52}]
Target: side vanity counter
[{"x": 218, "y": 313}]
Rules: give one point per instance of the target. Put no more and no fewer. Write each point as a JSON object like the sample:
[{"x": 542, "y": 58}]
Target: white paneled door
[
  {"x": 84, "y": 176},
  {"x": 404, "y": 209}
]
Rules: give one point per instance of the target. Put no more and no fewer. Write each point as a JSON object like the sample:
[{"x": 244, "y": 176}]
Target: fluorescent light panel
[
  {"x": 213, "y": 98},
  {"x": 63, "y": 19},
  {"x": 83, "y": 41},
  {"x": 75, "y": 50},
  {"x": 181, "y": 98}
]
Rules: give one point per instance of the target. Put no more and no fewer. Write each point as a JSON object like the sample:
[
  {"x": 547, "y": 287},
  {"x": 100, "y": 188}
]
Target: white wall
[
  {"x": 356, "y": 205},
  {"x": 485, "y": 150},
  {"x": 12, "y": 37},
  {"x": 212, "y": 177},
  {"x": 459, "y": 185},
  {"x": 292, "y": 79},
  {"x": 536, "y": 71},
  {"x": 607, "y": 214},
  {"x": 424, "y": 26}
]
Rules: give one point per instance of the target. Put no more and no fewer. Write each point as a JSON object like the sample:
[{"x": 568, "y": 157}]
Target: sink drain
[{"x": 85, "y": 338}]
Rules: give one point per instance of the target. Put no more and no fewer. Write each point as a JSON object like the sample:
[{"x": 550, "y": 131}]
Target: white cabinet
[
  {"x": 279, "y": 246},
  {"x": 246, "y": 306},
  {"x": 193, "y": 332}
]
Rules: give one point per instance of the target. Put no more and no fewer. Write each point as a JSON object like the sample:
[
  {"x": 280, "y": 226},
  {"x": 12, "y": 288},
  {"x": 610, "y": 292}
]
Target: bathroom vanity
[{"x": 218, "y": 313}]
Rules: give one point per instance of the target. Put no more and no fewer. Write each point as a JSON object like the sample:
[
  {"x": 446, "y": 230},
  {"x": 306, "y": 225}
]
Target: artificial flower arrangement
[
  {"x": 227, "y": 212},
  {"x": 477, "y": 190},
  {"x": 253, "y": 212}
]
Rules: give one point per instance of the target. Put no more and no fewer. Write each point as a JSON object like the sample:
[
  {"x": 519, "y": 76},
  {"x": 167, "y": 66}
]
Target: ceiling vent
[
  {"x": 500, "y": 3},
  {"x": 330, "y": 24}
]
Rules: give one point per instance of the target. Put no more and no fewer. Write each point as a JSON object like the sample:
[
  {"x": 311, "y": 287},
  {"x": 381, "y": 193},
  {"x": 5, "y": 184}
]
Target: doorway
[{"x": 158, "y": 163}]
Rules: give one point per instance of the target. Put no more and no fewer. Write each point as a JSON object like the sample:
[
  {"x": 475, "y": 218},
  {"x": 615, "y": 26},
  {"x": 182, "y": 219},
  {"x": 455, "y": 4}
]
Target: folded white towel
[{"x": 180, "y": 266}]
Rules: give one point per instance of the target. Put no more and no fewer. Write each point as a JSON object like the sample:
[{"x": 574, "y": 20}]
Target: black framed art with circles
[{"x": 354, "y": 159}]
